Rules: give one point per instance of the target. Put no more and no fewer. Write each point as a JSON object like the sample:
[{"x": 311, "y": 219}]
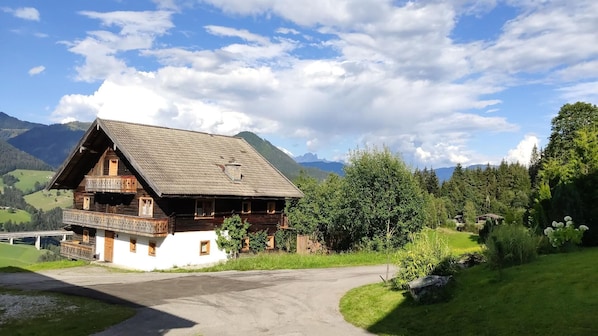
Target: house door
[{"x": 109, "y": 246}]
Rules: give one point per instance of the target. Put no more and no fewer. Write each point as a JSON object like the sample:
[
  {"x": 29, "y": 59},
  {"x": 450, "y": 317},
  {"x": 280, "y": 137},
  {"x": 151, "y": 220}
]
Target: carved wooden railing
[
  {"x": 149, "y": 227},
  {"x": 74, "y": 250},
  {"x": 117, "y": 184}
]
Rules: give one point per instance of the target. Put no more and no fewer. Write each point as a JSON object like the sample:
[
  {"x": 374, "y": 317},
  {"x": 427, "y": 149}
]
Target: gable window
[
  {"x": 133, "y": 245},
  {"x": 271, "y": 207},
  {"x": 204, "y": 247},
  {"x": 246, "y": 207},
  {"x": 146, "y": 207},
  {"x": 86, "y": 202},
  {"x": 85, "y": 236},
  {"x": 151, "y": 249},
  {"x": 113, "y": 167},
  {"x": 204, "y": 208}
]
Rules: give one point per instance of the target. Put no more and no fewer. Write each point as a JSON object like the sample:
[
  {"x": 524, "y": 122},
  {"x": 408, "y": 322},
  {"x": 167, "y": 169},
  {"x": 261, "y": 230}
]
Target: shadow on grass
[{"x": 146, "y": 321}]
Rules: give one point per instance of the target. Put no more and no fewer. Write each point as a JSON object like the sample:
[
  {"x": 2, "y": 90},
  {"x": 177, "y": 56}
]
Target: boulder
[{"x": 429, "y": 289}]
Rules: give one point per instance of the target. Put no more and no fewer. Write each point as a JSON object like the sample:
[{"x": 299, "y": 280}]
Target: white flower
[
  {"x": 554, "y": 223},
  {"x": 560, "y": 225},
  {"x": 583, "y": 228},
  {"x": 568, "y": 218},
  {"x": 569, "y": 223},
  {"x": 548, "y": 231}
]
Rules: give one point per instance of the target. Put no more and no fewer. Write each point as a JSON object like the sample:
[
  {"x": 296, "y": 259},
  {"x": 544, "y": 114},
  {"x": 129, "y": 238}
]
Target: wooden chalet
[{"x": 149, "y": 197}]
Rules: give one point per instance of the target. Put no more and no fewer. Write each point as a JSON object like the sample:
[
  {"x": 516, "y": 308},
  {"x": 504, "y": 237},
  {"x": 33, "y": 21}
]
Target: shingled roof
[{"x": 175, "y": 162}]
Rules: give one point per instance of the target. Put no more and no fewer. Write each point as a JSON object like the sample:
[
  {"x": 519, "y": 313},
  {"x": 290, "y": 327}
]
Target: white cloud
[
  {"x": 36, "y": 70},
  {"x": 522, "y": 153},
  {"x": 25, "y": 13},
  {"x": 392, "y": 76}
]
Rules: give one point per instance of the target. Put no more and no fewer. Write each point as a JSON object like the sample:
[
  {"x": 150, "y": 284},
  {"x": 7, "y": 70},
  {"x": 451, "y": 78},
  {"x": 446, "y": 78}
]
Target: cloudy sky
[{"x": 440, "y": 82}]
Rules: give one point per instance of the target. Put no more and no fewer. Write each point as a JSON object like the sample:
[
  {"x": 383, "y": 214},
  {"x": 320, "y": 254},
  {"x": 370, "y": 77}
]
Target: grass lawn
[
  {"x": 48, "y": 200},
  {"x": 54, "y": 314},
  {"x": 554, "y": 295},
  {"x": 273, "y": 261},
  {"x": 27, "y": 178},
  {"x": 460, "y": 242},
  {"x": 18, "y": 216},
  {"x": 18, "y": 255}
]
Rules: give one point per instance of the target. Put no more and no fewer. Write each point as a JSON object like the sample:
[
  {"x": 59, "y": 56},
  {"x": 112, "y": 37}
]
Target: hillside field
[
  {"x": 27, "y": 178},
  {"x": 48, "y": 200},
  {"x": 18, "y": 255},
  {"x": 19, "y": 216}
]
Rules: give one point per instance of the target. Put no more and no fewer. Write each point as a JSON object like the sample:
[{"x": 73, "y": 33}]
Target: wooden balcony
[
  {"x": 75, "y": 250},
  {"x": 115, "y": 184},
  {"x": 149, "y": 227}
]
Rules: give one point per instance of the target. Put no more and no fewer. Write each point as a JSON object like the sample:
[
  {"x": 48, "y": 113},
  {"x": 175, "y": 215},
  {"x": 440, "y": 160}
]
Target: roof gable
[{"x": 177, "y": 162}]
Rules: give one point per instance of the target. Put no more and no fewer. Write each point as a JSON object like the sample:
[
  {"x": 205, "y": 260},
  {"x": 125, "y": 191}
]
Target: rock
[
  {"x": 429, "y": 289},
  {"x": 470, "y": 259}
]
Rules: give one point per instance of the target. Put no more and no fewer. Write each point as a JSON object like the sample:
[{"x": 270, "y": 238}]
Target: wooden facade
[{"x": 121, "y": 187}]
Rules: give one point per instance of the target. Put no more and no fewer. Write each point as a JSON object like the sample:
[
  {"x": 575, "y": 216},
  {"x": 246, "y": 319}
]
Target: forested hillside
[
  {"x": 52, "y": 143},
  {"x": 13, "y": 158},
  {"x": 284, "y": 163},
  {"x": 11, "y": 126}
]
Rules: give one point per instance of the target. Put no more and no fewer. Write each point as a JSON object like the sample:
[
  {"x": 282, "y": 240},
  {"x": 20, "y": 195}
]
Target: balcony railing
[
  {"x": 149, "y": 227},
  {"x": 117, "y": 184},
  {"x": 75, "y": 250}
]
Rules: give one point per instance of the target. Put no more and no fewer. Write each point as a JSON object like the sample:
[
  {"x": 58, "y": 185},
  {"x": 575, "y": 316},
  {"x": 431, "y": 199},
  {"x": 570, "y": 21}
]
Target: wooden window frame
[
  {"x": 204, "y": 214},
  {"x": 204, "y": 251},
  {"x": 112, "y": 167},
  {"x": 133, "y": 245},
  {"x": 246, "y": 207},
  {"x": 270, "y": 243},
  {"x": 87, "y": 202},
  {"x": 271, "y": 207},
  {"x": 151, "y": 248},
  {"x": 141, "y": 206},
  {"x": 245, "y": 245},
  {"x": 85, "y": 238}
]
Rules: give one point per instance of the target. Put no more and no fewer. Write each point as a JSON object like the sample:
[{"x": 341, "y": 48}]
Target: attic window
[{"x": 233, "y": 171}]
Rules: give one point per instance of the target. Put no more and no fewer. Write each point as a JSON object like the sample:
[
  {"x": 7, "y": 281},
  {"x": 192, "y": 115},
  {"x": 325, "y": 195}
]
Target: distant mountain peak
[{"x": 308, "y": 157}]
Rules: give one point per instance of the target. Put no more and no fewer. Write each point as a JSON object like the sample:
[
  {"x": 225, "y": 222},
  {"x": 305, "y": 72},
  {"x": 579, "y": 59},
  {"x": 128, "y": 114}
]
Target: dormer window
[{"x": 233, "y": 171}]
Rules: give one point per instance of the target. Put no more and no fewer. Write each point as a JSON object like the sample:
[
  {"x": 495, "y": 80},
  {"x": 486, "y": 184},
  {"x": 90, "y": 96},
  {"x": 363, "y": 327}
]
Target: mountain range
[{"x": 28, "y": 145}]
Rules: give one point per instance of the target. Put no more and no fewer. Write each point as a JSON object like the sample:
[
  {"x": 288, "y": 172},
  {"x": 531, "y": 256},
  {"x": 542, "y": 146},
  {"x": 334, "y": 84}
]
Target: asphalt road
[{"x": 286, "y": 302}]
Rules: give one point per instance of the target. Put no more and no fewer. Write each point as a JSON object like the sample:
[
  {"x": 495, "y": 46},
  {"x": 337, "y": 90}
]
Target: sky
[{"x": 437, "y": 82}]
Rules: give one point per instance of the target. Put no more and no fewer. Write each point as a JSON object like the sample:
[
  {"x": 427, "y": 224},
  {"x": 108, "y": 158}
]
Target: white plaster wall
[
  {"x": 180, "y": 249},
  {"x": 100, "y": 235}
]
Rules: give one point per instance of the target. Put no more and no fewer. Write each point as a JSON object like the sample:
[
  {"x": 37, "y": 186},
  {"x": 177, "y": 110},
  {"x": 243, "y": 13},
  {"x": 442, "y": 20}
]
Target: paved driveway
[{"x": 287, "y": 302}]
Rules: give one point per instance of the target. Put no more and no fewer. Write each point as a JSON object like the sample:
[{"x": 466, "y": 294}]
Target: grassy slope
[
  {"x": 47, "y": 200},
  {"x": 18, "y": 255},
  {"x": 20, "y": 216},
  {"x": 460, "y": 242},
  {"x": 554, "y": 295},
  {"x": 27, "y": 178}
]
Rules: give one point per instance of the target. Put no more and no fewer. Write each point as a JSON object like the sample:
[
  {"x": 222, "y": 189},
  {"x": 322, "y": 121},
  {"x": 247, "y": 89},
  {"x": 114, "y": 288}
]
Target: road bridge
[{"x": 11, "y": 236}]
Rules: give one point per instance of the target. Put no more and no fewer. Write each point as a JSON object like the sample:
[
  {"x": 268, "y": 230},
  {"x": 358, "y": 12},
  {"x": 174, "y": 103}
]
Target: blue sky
[{"x": 438, "y": 82}]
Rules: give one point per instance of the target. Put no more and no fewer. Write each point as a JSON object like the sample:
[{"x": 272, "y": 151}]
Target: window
[
  {"x": 146, "y": 207},
  {"x": 113, "y": 167},
  {"x": 204, "y": 208},
  {"x": 246, "y": 207},
  {"x": 86, "y": 202},
  {"x": 86, "y": 236},
  {"x": 151, "y": 249},
  {"x": 270, "y": 243},
  {"x": 245, "y": 245},
  {"x": 133, "y": 245},
  {"x": 204, "y": 247},
  {"x": 271, "y": 207}
]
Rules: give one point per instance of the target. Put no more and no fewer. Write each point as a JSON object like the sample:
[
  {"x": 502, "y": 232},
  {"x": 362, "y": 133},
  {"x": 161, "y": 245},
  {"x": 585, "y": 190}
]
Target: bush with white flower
[{"x": 561, "y": 234}]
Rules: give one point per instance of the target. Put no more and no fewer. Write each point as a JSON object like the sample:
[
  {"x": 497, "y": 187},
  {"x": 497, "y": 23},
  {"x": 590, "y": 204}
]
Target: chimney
[{"x": 233, "y": 170}]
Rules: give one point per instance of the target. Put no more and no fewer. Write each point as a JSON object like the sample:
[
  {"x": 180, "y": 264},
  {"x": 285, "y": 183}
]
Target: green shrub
[
  {"x": 427, "y": 253},
  {"x": 230, "y": 235},
  {"x": 258, "y": 241},
  {"x": 510, "y": 245},
  {"x": 286, "y": 240},
  {"x": 564, "y": 236}
]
